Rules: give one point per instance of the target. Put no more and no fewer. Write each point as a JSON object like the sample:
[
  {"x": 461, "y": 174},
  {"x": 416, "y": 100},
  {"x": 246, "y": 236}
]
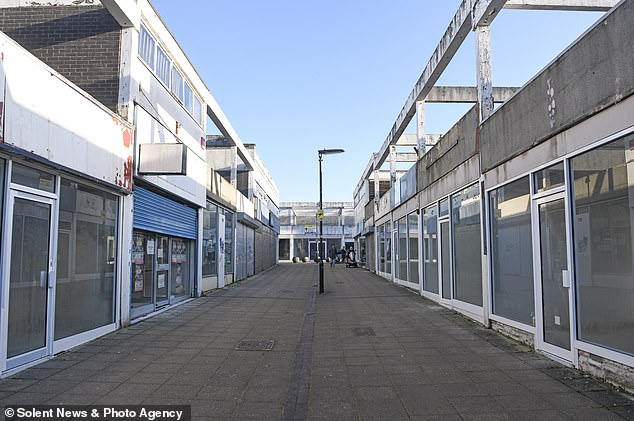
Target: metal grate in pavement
[
  {"x": 255, "y": 345},
  {"x": 363, "y": 331}
]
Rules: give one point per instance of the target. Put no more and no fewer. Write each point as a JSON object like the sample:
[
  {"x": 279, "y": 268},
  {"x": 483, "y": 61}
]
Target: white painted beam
[
  {"x": 466, "y": 94},
  {"x": 470, "y": 14},
  {"x": 431, "y": 139},
  {"x": 126, "y": 13},
  {"x": 221, "y": 121},
  {"x": 407, "y": 140},
  {"x": 406, "y": 157},
  {"x": 567, "y": 5}
]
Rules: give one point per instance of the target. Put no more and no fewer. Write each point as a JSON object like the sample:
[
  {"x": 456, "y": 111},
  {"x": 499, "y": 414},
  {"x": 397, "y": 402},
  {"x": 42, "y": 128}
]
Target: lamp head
[{"x": 329, "y": 151}]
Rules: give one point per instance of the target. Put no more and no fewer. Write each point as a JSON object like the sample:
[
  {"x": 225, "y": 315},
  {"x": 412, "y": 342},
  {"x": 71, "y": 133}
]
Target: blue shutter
[{"x": 156, "y": 213}]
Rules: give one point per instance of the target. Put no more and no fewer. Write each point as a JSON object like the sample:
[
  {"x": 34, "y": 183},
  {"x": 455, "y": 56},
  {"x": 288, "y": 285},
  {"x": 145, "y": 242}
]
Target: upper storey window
[
  {"x": 166, "y": 71},
  {"x": 163, "y": 66},
  {"x": 177, "y": 84},
  {"x": 146, "y": 47},
  {"x": 188, "y": 101}
]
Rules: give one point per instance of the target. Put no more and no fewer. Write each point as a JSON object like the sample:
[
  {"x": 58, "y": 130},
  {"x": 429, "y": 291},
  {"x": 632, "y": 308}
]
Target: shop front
[
  {"x": 59, "y": 262},
  {"x": 163, "y": 252}
]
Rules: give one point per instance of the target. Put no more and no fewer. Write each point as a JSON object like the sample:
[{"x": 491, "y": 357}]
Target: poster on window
[
  {"x": 161, "y": 280},
  {"x": 138, "y": 278},
  {"x": 179, "y": 251},
  {"x": 150, "y": 247},
  {"x": 138, "y": 253}
]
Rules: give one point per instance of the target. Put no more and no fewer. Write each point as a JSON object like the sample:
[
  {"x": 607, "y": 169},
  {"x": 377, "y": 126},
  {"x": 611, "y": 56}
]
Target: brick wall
[{"x": 82, "y": 43}]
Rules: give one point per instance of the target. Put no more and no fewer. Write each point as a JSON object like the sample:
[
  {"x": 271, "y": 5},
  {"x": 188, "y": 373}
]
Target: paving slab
[{"x": 365, "y": 349}]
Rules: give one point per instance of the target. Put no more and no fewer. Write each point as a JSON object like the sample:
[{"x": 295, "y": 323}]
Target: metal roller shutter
[{"x": 156, "y": 213}]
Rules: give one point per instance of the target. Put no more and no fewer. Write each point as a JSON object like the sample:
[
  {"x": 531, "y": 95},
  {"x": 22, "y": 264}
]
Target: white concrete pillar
[
  {"x": 291, "y": 247},
  {"x": 483, "y": 71},
  {"x": 377, "y": 186},
  {"x": 233, "y": 178},
  {"x": 127, "y": 86},
  {"x": 127, "y": 205},
  {"x": 392, "y": 165},
  {"x": 420, "y": 128}
]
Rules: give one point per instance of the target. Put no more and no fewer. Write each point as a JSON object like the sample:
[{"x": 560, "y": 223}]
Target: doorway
[
  {"x": 552, "y": 270},
  {"x": 28, "y": 296},
  {"x": 313, "y": 249}
]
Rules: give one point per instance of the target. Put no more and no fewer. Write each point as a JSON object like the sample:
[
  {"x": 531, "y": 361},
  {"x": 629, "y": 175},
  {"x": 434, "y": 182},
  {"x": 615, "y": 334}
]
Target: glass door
[
  {"x": 162, "y": 270},
  {"x": 313, "y": 249},
  {"x": 28, "y": 294},
  {"x": 445, "y": 262},
  {"x": 552, "y": 268},
  {"x": 143, "y": 251}
]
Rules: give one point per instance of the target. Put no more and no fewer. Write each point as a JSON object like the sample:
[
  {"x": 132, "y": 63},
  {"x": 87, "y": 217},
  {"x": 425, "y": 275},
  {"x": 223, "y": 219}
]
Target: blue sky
[{"x": 297, "y": 76}]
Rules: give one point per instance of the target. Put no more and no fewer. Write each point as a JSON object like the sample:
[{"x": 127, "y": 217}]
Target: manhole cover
[
  {"x": 363, "y": 331},
  {"x": 255, "y": 345}
]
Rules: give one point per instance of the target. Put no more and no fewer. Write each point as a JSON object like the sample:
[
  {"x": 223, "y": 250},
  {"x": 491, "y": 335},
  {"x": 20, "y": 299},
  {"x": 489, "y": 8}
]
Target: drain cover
[
  {"x": 255, "y": 345},
  {"x": 287, "y": 291},
  {"x": 363, "y": 331}
]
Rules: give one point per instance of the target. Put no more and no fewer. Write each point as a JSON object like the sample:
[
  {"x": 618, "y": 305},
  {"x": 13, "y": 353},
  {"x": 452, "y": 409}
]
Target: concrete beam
[
  {"x": 470, "y": 14},
  {"x": 467, "y": 94},
  {"x": 431, "y": 139},
  {"x": 568, "y": 5},
  {"x": 220, "y": 120},
  {"x": 367, "y": 172},
  {"x": 406, "y": 157},
  {"x": 407, "y": 140},
  {"x": 126, "y": 13}
]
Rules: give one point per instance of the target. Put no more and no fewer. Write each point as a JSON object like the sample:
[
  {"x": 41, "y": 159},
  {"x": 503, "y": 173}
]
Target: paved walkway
[{"x": 364, "y": 350}]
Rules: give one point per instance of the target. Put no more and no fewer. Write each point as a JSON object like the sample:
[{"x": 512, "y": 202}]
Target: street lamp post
[{"x": 322, "y": 152}]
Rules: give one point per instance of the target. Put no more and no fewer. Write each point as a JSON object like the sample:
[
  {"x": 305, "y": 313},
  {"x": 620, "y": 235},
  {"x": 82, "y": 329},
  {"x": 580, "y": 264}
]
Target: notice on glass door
[
  {"x": 138, "y": 279},
  {"x": 150, "y": 246},
  {"x": 161, "y": 280}
]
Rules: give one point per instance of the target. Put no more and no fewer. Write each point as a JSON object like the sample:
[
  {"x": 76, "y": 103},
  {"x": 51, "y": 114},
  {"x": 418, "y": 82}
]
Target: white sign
[{"x": 150, "y": 246}]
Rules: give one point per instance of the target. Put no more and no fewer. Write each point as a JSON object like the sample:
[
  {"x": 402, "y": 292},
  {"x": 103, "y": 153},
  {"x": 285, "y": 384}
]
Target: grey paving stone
[
  {"x": 569, "y": 400},
  {"x": 214, "y": 409},
  {"x": 381, "y": 409},
  {"x": 374, "y": 393},
  {"x": 593, "y": 414},
  {"x": 525, "y": 401},
  {"x": 92, "y": 388},
  {"x": 332, "y": 410},
  {"x": 258, "y": 410},
  {"x": 460, "y": 389},
  {"x": 626, "y": 412},
  {"x": 469, "y": 405},
  {"x": 429, "y": 404},
  {"x": 609, "y": 398},
  {"x": 26, "y": 398},
  {"x": 14, "y": 385}
]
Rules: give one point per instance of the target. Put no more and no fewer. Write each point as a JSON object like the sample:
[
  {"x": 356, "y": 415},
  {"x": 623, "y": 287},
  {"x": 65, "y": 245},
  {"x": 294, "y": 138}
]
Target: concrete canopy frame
[{"x": 472, "y": 15}]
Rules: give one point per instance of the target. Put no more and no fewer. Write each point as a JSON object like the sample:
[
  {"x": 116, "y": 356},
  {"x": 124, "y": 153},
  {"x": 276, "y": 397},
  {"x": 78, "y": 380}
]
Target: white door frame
[
  {"x": 564, "y": 355},
  {"x": 6, "y": 258},
  {"x": 441, "y": 261}
]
